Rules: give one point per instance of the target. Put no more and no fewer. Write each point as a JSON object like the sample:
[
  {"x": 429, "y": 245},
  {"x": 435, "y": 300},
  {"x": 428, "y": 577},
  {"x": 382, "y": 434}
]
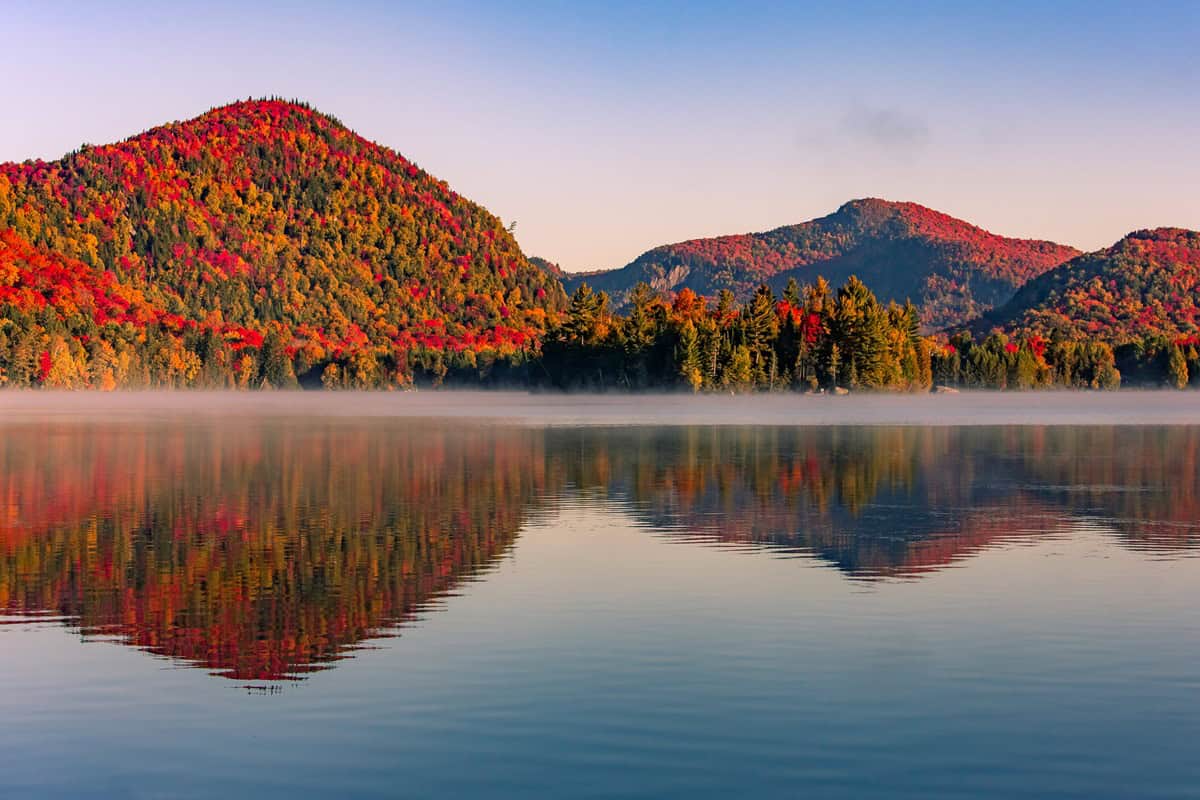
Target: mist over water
[
  {"x": 465, "y": 594},
  {"x": 962, "y": 409}
]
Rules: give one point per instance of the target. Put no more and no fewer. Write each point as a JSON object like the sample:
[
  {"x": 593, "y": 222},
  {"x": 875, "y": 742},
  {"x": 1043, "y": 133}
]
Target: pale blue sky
[{"x": 604, "y": 129}]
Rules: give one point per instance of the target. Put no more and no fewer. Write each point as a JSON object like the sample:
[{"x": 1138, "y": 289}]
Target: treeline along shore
[{"x": 812, "y": 338}]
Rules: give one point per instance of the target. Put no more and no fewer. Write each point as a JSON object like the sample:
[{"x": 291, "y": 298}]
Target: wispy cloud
[
  {"x": 890, "y": 131},
  {"x": 873, "y": 133}
]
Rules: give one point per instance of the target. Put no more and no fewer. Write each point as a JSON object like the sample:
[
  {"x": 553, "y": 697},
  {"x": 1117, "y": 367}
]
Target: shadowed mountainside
[{"x": 952, "y": 270}]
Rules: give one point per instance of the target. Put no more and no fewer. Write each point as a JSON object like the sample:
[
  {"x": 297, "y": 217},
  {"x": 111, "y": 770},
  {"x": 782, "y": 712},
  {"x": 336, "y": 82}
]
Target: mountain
[
  {"x": 1147, "y": 284},
  {"x": 257, "y": 221},
  {"x": 953, "y": 270}
]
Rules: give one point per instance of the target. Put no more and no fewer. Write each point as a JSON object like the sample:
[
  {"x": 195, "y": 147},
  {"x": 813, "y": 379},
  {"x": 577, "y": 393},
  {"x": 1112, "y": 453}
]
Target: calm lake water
[{"x": 390, "y": 596}]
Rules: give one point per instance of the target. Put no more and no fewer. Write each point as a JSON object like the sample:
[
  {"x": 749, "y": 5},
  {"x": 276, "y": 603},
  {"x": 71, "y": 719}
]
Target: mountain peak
[
  {"x": 270, "y": 109},
  {"x": 260, "y": 119},
  {"x": 268, "y": 218},
  {"x": 879, "y": 205},
  {"x": 924, "y": 221},
  {"x": 1177, "y": 235},
  {"x": 903, "y": 250}
]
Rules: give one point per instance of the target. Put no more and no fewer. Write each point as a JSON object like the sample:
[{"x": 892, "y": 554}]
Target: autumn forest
[{"x": 266, "y": 245}]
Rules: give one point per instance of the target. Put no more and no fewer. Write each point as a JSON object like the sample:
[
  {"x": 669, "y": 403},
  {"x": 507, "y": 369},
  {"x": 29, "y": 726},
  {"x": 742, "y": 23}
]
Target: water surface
[{"x": 206, "y": 603}]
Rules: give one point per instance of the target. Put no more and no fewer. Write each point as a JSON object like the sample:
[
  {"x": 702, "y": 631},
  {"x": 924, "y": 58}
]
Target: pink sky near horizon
[{"x": 606, "y": 130}]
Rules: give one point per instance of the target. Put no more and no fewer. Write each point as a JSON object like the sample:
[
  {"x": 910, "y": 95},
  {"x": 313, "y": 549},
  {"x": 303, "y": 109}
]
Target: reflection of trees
[
  {"x": 268, "y": 549},
  {"x": 1145, "y": 480},
  {"x": 891, "y": 500},
  {"x": 256, "y": 551}
]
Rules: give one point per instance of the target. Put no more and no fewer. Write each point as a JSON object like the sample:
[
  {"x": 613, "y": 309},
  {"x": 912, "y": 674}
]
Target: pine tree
[
  {"x": 740, "y": 370},
  {"x": 1026, "y": 369},
  {"x": 860, "y": 325},
  {"x": 277, "y": 367},
  {"x": 816, "y": 297},
  {"x": 584, "y": 315},
  {"x": 725, "y": 303},
  {"x": 924, "y": 366},
  {"x": 1177, "y": 369},
  {"x": 639, "y": 332},
  {"x": 639, "y": 327},
  {"x": 710, "y": 350},
  {"x": 792, "y": 293},
  {"x": 760, "y": 325},
  {"x": 688, "y": 356}
]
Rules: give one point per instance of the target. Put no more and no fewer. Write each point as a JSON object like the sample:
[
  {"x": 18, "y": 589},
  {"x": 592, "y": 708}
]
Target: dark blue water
[{"x": 271, "y": 606}]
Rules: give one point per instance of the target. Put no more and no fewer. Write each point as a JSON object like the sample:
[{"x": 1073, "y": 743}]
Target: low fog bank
[{"x": 967, "y": 408}]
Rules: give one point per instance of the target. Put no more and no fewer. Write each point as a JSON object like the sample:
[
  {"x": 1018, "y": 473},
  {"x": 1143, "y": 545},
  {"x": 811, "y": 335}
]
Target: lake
[{"x": 464, "y": 595}]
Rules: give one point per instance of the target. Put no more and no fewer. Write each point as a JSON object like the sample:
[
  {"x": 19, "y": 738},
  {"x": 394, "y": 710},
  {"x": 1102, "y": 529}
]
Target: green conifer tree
[{"x": 1177, "y": 368}]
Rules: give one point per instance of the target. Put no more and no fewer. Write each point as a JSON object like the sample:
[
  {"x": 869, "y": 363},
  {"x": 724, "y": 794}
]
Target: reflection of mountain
[
  {"x": 267, "y": 549},
  {"x": 1142, "y": 480},
  {"x": 880, "y": 501},
  {"x": 258, "y": 553}
]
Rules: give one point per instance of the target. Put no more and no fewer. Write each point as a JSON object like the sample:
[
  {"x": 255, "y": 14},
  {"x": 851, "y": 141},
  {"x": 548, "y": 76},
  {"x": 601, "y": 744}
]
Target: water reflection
[
  {"x": 255, "y": 551},
  {"x": 262, "y": 549},
  {"x": 901, "y": 501}
]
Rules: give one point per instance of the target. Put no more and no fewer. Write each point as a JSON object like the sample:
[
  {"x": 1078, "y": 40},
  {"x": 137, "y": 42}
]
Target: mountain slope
[
  {"x": 952, "y": 269},
  {"x": 548, "y": 267},
  {"x": 265, "y": 215},
  {"x": 1147, "y": 284}
]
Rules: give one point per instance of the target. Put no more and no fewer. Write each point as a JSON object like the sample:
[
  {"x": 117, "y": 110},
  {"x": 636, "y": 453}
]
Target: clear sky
[{"x": 604, "y": 129}]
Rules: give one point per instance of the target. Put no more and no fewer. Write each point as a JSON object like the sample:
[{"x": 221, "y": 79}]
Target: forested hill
[
  {"x": 952, "y": 270},
  {"x": 260, "y": 240},
  {"x": 1145, "y": 285}
]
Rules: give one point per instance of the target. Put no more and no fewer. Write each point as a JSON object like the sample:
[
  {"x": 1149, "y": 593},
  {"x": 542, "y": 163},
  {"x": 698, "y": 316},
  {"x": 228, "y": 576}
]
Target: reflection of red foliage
[
  {"x": 260, "y": 553},
  {"x": 812, "y": 490},
  {"x": 258, "y": 558}
]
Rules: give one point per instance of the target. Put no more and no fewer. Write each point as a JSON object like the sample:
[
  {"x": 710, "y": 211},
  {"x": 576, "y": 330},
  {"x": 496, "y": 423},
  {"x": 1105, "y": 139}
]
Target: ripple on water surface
[{"x": 262, "y": 604}]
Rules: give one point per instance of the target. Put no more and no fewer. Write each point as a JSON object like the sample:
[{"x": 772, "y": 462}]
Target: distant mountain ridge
[
  {"x": 1147, "y": 284},
  {"x": 953, "y": 270}
]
